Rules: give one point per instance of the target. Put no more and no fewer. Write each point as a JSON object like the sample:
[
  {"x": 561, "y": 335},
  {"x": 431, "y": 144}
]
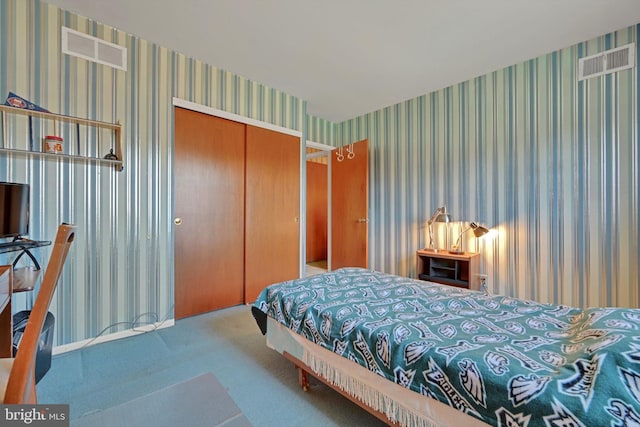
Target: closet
[{"x": 237, "y": 195}]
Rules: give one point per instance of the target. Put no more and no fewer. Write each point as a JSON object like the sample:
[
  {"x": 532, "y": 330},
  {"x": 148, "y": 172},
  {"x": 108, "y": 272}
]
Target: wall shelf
[{"x": 115, "y": 128}]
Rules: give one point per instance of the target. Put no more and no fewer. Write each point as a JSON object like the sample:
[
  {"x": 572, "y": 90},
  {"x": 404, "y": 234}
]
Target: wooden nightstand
[{"x": 449, "y": 269}]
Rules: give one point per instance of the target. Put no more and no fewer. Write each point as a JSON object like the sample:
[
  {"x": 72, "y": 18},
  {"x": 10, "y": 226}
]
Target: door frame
[
  {"x": 325, "y": 151},
  {"x": 183, "y": 103}
]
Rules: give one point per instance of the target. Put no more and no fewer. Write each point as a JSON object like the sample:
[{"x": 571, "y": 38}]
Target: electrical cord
[{"x": 135, "y": 325}]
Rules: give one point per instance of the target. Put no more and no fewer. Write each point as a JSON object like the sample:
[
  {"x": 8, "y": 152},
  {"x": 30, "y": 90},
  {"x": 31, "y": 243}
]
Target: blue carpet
[
  {"x": 226, "y": 343},
  {"x": 198, "y": 402}
]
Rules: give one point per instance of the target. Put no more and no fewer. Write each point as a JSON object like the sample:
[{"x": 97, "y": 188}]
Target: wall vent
[
  {"x": 610, "y": 61},
  {"x": 93, "y": 49}
]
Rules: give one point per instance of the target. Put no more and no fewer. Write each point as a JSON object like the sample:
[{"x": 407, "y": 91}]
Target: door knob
[
  {"x": 363, "y": 219},
  {"x": 177, "y": 221}
]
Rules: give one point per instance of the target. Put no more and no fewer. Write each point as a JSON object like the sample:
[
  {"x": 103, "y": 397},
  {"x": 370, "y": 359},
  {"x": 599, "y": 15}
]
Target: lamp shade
[
  {"x": 478, "y": 230},
  {"x": 443, "y": 217},
  {"x": 440, "y": 215}
]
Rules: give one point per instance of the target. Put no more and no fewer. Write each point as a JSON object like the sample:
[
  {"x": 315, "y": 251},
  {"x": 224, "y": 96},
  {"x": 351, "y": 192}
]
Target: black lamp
[
  {"x": 478, "y": 231},
  {"x": 440, "y": 215}
]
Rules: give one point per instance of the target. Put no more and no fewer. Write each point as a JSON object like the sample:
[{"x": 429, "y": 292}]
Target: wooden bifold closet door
[
  {"x": 209, "y": 207},
  {"x": 237, "y": 195},
  {"x": 272, "y": 226}
]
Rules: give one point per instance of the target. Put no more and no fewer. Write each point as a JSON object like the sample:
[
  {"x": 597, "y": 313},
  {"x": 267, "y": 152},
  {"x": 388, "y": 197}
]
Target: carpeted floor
[
  {"x": 316, "y": 267},
  {"x": 226, "y": 343},
  {"x": 198, "y": 402}
]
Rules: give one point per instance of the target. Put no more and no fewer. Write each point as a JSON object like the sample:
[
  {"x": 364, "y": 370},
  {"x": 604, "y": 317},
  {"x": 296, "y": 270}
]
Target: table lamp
[
  {"x": 478, "y": 231},
  {"x": 440, "y": 215}
]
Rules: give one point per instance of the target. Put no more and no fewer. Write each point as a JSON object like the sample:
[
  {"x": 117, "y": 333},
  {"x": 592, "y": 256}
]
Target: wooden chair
[{"x": 17, "y": 375}]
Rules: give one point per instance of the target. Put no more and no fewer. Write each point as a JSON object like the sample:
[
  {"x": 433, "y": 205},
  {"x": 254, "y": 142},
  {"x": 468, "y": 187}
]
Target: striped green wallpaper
[
  {"x": 551, "y": 163},
  {"x": 121, "y": 268},
  {"x": 321, "y": 130}
]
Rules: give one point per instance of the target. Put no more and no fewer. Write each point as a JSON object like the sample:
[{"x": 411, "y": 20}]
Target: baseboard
[{"x": 110, "y": 337}]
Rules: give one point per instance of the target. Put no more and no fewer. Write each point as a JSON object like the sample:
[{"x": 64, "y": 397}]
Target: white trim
[
  {"x": 317, "y": 154},
  {"x": 110, "y": 337},
  {"x": 177, "y": 102},
  {"x": 326, "y": 152},
  {"x": 329, "y": 210},
  {"x": 302, "y": 213},
  {"x": 319, "y": 146}
]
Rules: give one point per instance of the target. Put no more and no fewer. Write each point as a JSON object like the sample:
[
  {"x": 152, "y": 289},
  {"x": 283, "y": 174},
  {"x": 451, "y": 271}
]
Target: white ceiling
[{"x": 351, "y": 57}]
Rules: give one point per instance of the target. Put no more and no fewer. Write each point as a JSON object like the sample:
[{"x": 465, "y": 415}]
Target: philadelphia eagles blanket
[{"x": 505, "y": 361}]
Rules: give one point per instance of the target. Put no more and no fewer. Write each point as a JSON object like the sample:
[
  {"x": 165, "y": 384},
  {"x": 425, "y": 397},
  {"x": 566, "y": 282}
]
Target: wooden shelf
[
  {"x": 117, "y": 163},
  {"x": 460, "y": 270},
  {"x": 115, "y": 128}
]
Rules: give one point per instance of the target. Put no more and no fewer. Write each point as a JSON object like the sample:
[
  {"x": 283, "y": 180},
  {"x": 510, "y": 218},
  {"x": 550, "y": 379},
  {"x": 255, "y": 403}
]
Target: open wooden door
[{"x": 349, "y": 207}]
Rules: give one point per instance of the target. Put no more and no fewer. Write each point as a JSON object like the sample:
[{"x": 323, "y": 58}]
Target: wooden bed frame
[{"x": 303, "y": 378}]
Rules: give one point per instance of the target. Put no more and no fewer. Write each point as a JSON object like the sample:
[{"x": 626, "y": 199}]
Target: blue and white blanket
[{"x": 506, "y": 361}]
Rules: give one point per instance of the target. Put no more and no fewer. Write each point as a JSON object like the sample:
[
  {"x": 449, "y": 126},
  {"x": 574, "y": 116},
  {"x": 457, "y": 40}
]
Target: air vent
[
  {"x": 610, "y": 61},
  {"x": 93, "y": 49}
]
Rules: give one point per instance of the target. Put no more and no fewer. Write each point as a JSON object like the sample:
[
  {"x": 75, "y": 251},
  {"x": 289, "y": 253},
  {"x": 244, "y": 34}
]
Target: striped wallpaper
[
  {"x": 322, "y": 131},
  {"x": 550, "y": 163},
  {"x": 121, "y": 266}
]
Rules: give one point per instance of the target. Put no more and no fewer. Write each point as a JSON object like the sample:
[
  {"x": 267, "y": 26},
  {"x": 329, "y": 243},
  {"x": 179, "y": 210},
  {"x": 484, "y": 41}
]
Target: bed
[{"x": 417, "y": 353}]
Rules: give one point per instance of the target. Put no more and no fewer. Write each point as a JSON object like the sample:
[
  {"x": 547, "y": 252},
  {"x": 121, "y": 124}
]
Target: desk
[
  {"x": 6, "y": 318},
  {"x": 24, "y": 279}
]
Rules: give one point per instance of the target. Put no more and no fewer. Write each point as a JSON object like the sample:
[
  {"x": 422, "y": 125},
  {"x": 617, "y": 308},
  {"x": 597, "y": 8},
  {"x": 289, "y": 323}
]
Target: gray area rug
[{"x": 198, "y": 402}]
